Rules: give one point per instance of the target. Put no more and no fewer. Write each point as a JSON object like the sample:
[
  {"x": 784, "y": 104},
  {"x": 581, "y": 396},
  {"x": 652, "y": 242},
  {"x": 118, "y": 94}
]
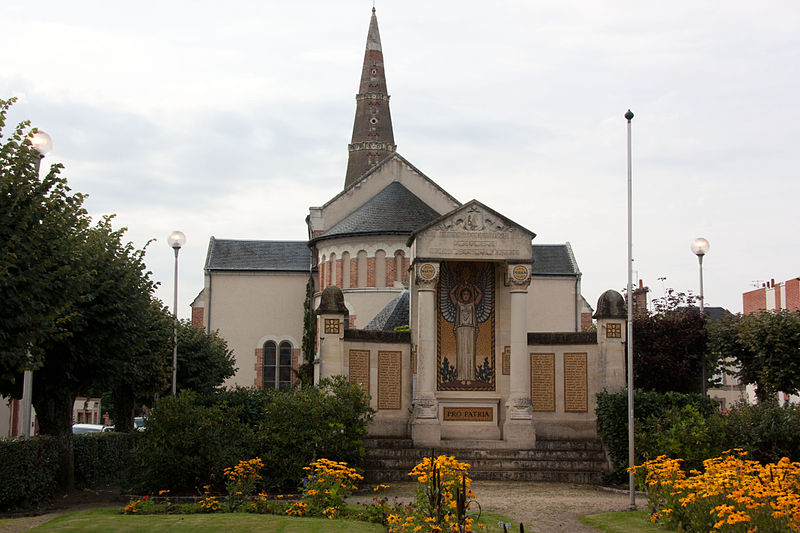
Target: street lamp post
[
  {"x": 700, "y": 248},
  {"x": 43, "y": 143},
  {"x": 176, "y": 240}
]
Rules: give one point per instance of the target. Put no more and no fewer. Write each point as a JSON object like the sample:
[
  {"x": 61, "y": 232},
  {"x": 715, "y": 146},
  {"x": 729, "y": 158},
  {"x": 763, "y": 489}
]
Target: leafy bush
[
  {"x": 187, "y": 445},
  {"x": 334, "y": 419},
  {"x": 294, "y": 427},
  {"x": 681, "y": 432},
  {"x": 191, "y": 439},
  {"x": 102, "y": 458},
  {"x": 28, "y": 471},
  {"x": 766, "y": 430},
  {"x": 612, "y": 422}
]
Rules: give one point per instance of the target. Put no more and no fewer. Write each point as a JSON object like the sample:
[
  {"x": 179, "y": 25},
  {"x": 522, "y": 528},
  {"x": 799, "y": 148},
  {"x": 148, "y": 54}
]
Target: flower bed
[{"x": 732, "y": 494}]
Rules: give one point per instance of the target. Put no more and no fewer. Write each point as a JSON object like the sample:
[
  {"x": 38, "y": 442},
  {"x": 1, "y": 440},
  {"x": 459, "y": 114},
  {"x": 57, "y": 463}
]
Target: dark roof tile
[
  {"x": 230, "y": 254},
  {"x": 393, "y": 315},
  {"x": 552, "y": 259},
  {"x": 394, "y": 210}
]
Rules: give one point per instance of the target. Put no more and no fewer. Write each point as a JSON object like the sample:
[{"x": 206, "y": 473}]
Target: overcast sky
[{"x": 231, "y": 119}]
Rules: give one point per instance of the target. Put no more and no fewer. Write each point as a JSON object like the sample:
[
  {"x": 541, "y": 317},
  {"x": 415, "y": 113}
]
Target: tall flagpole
[{"x": 629, "y": 339}]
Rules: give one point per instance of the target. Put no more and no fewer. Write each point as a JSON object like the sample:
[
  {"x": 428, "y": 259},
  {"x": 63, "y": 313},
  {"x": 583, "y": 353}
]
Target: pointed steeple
[{"x": 373, "y": 138}]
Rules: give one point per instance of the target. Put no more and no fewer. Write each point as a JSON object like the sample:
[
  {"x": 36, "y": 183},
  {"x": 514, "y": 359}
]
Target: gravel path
[{"x": 542, "y": 507}]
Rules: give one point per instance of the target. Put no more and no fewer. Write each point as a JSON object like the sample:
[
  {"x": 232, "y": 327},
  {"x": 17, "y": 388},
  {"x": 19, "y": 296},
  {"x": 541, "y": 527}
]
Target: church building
[{"x": 460, "y": 329}]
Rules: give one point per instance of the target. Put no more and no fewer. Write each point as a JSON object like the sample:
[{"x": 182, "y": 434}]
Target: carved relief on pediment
[{"x": 474, "y": 219}]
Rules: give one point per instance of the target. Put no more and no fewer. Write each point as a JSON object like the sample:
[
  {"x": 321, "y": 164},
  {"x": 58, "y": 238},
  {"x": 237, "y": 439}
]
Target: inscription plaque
[
  {"x": 575, "y": 383},
  {"x": 427, "y": 271},
  {"x": 520, "y": 273},
  {"x": 359, "y": 368},
  {"x": 543, "y": 382},
  {"x": 469, "y": 414},
  {"x": 506, "y": 363},
  {"x": 389, "y": 376}
]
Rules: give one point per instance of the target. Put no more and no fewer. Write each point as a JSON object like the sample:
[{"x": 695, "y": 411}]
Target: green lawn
[
  {"x": 111, "y": 519},
  {"x": 624, "y": 522}
]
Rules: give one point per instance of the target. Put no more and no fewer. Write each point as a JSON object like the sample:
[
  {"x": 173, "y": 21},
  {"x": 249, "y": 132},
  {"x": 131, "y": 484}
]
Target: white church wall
[
  {"x": 246, "y": 307},
  {"x": 552, "y": 304}
]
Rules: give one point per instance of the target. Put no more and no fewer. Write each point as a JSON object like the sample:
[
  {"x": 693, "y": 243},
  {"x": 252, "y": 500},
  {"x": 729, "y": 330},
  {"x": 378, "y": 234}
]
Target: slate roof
[
  {"x": 281, "y": 256},
  {"x": 394, "y": 314},
  {"x": 554, "y": 259},
  {"x": 382, "y": 163},
  {"x": 395, "y": 210}
]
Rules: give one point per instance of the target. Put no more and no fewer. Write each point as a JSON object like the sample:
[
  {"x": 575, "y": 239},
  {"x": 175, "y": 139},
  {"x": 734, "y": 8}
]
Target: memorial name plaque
[
  {"x": 389, "y": 377},
  {"x": 543, "y": 382},
  {"x": 469, "y": 414},
  {"x": 576, "y": 395},
  {"x": 359, "y": 368}
]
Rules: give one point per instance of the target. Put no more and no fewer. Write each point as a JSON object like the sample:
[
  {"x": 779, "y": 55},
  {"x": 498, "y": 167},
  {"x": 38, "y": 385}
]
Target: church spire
[{"x": 373, "y": 138}]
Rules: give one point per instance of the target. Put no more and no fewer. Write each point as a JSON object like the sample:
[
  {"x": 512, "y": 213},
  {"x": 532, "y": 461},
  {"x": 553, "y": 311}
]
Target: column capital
[
  {"x": 518, "y": 277},
  {"x": 427, "y": 275}
]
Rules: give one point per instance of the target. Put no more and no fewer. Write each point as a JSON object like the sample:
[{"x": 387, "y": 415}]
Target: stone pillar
[
  {"x": 330, "y": 341},
  {"x": 612, "y": 318},
  {"x": 426, "y": 428},
  {"x": 518, "y": 429}
]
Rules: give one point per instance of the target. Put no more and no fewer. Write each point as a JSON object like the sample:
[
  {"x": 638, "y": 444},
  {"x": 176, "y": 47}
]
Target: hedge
[
  {"x": 191, "y": 439},
  {"x": 102, "y": 458},
  {"x": 612, "y": 419},
  {"x": 28, "y": 471}
]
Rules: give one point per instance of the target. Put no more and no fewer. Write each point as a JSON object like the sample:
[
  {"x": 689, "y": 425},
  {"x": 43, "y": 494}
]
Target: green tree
[
  {"x": 669, "y": 346},
  {"x": 766, "y": 347},
  {"x": 75, "y": 297},
  {"x": 117, "y": 337},
  {"x": 306, "y": 371},
  {"x": 204, "y": 360},
  {"x": 40, "y": 277}
]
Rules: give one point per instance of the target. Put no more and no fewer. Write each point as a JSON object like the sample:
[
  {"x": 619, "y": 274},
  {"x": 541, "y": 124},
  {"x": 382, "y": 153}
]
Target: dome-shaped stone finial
[
  {"x": 332, "y": 301},
  {"x": 611, "y": 304}
]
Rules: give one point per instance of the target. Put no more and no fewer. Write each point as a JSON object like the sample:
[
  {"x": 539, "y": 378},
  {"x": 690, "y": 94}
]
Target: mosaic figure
[{"x": 466, "y": 301}]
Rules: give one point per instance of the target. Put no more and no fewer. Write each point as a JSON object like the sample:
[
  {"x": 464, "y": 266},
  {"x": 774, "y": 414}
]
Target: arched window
[
  {"x": 346, "y": 270},
  {"x": 380, "y": 268},
  {"x": 277, "y": 365},
  {"x": 398, "y": 265},
  {"x": 362, "y": 268}
]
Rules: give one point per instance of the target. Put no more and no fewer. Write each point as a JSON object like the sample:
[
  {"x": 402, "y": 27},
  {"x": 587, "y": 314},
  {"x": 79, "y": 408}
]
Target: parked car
[
  {"x": 140, "y": 423},
  {"x": 77, "y": 429}
]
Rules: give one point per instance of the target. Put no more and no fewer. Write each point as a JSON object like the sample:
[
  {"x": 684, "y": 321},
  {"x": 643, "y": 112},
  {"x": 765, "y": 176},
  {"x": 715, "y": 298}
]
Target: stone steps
[{"x": 551, "y": 460}]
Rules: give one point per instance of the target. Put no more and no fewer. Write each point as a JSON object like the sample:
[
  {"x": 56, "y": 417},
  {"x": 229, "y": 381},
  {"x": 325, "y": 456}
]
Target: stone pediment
[{"x": 472, "y": 232}]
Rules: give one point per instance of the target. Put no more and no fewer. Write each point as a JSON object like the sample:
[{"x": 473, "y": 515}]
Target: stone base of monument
[
  {"x": 388, "y": 426},
  {"x": 566, "y": 461},
  {"x": 519, "y": 434},
  {"x": 426, "y": 432}
]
